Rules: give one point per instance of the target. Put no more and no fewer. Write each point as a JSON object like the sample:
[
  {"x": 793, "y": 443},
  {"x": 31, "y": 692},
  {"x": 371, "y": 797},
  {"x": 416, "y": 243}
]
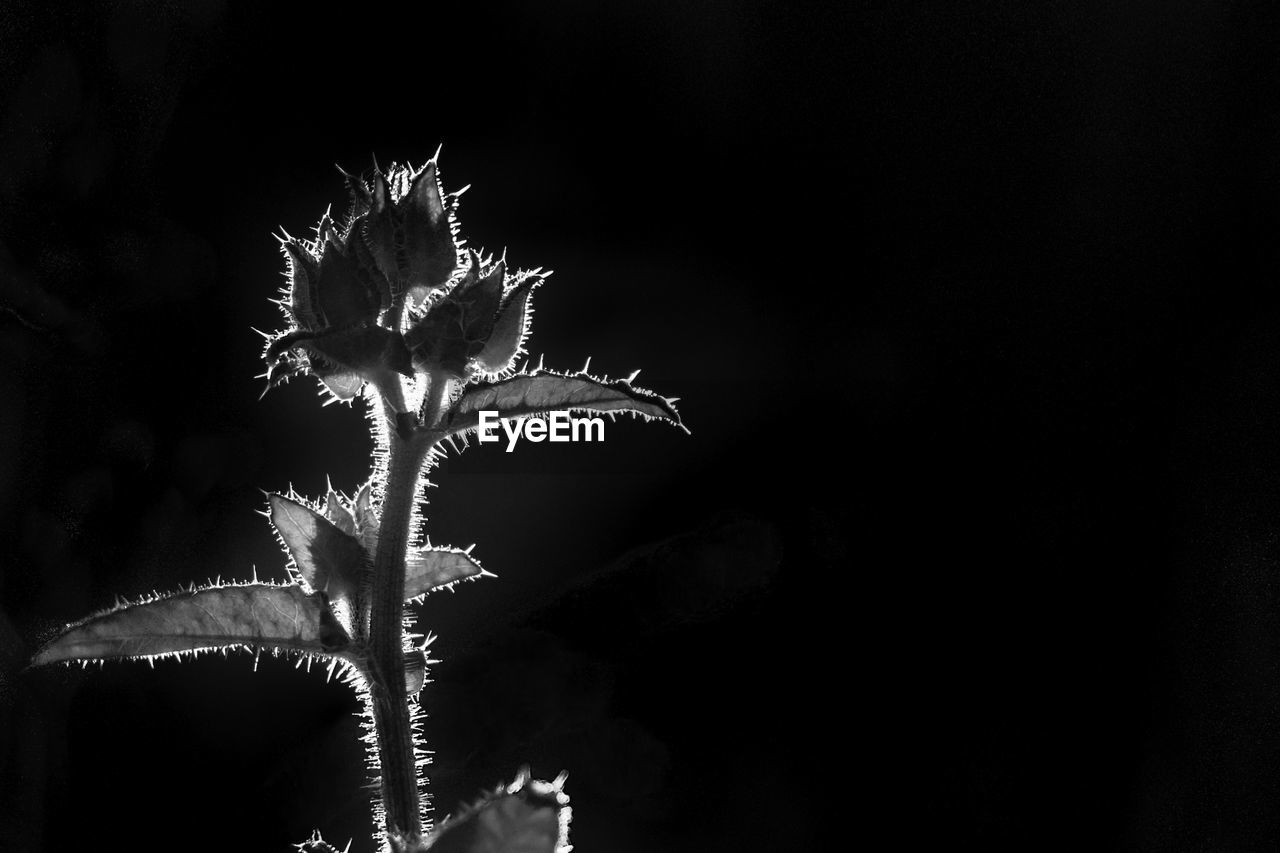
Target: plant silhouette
[{"x": 390, "y": 306}]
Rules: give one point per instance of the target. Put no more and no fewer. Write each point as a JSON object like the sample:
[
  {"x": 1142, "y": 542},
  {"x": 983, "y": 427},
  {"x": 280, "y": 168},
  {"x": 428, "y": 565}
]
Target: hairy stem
[
  {"x": 390, "y": 704},
  {"x": 436, "y": 399}
]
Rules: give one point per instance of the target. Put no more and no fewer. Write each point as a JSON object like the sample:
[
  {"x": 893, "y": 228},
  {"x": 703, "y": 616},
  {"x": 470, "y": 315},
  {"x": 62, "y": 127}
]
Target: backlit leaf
[
  {"x": 426, "y": 569},
  {"x": 547, "y": 391},
  {"x": 524, "y": 817},
  {"x": 260, "y": 615},
  {"x": 506, "y": 341},
  {"x": 327, "y": 558},
  {"x": 338, "y": 514}
]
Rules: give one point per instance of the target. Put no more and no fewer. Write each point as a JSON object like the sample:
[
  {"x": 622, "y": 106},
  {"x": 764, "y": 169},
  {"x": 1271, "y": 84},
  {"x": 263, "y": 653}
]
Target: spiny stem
[
  {"x": 433, "y": 405},
  {"x": 390, "y": 704},
  {"x": 386, "y": 637}
]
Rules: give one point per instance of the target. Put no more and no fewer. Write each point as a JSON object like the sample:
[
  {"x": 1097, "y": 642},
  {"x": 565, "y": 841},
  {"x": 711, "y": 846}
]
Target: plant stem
[
  {"x": 389, "y": 702},
  {"x": 433, "y": 404}
]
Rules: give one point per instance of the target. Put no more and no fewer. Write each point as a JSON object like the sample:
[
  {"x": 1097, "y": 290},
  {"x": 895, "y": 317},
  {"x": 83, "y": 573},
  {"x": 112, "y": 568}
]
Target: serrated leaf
[
  {"x": 510, "y": 329},
  {"x": 262, "y": 615},
  {"x": 338, "y": 514},
  {"x": 455, "y": 329},
  {"x": 525, "y": 817},
  {"x": 426, "y": 569},
  {"x": 328, "y": 559},
  {"x": 302, "y": 272},
  {"x": 547, "y": 391}
]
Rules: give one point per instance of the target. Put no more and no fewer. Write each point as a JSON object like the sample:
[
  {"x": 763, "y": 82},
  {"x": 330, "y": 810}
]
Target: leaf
[
  {"x": 455, "y": 329},
  {"x": 338, "y": 514},
  {"x": 545, "y": 391},
  {"x": 328, "y": 559},
  {"x": 303, "y": 307},
  {"x": 428, "y": 569},
  {"x": 524, "y": 817},
  {"x": 506, "y": 341},
  {"x": 264, "y": 615},
  {"x": 344, "y": 358}
]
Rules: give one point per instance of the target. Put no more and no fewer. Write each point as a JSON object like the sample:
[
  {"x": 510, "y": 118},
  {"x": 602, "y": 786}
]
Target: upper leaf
[
  {"x": 547, "y": 391},
  {"x": 259, "y": 614},
  {"x": 511, "y": 327}
]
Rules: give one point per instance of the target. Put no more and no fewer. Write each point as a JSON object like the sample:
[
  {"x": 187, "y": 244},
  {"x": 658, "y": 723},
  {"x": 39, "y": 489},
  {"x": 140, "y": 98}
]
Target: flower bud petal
[
  {"x": 347, "y": 294},
  {"x": 429, "y": 246},
  {"x": 303, "y": 273},
  {"x": 455, "y": 330},
  {"x": 411, "y": 239}
]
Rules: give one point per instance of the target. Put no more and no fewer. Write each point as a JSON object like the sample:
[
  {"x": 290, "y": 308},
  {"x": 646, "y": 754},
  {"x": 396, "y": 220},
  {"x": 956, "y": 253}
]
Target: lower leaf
[
  {"x": 261, "y": 615},
  {"x": 428, "y": 569},
  {"x": 526, "y": 816}
]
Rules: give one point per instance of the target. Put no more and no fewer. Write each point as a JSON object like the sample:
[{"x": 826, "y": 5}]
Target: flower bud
[
  {"x": 408, "y": 229},
  {"x": 455, "y": 330},
  {"x": 334, "y": 304}
]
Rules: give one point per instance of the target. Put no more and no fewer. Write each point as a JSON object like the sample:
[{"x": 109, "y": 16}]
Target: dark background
[{"x": 975, "y": 543}]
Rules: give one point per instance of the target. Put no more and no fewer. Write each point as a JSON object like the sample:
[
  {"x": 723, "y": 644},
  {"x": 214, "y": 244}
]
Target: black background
[{"x": 976, "y": 541}]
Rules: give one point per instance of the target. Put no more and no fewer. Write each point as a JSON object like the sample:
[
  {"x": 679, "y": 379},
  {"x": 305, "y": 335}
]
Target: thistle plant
[{"x": 390, "y": 306}]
